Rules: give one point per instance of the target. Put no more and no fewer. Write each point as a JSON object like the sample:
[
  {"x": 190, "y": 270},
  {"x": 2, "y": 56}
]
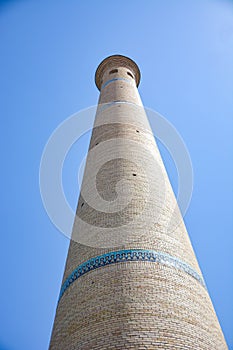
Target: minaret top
[{"x": 116, "y": 61}]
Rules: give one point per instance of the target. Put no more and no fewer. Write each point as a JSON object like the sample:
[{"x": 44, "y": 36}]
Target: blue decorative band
[
  {"x": 129, "y": 255},
  {"x": 103, "y": 106},
  {"x": 115, "y": 79}
]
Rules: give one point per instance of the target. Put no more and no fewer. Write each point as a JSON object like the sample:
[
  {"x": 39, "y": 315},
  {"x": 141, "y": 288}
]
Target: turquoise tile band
[
  {"x": 104, "y": 106},
  {"x": 115, "y": 79},
  {"x": 129, "y": 255}
]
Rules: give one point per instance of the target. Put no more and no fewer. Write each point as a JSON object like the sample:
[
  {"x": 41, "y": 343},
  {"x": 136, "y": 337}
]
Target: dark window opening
[
  {"x": 134, "y": 174},
  {"x": 130, "y": 75},
  {"x": 82, "y": 205},
  {"x": 137, "y": 130},
  {"x": 113, "y": 71}
]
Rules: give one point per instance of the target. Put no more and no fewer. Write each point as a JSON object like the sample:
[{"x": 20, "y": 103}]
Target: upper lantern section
[{"x": 115, "y": 62}]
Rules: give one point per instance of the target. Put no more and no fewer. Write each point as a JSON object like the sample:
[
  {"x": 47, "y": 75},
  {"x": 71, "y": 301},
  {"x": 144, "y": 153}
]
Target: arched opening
[
  {"x": 130, "y": 75},
  {"x": 113, "y": 71}
]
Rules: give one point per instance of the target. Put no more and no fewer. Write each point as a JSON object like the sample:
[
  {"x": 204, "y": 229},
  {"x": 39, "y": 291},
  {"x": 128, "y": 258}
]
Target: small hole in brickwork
[
  {"x": 121, "y": 87},
  {"x": 137, "y": 130},
  {"x": 113, "y": 71},
  {"x": 82, "y": 205},
  {"x": 92, "y": 282},
  {"x": 97, "y": 143},
  {"x": 130, "y": 75},
  {"x": 134, "y": 174}
]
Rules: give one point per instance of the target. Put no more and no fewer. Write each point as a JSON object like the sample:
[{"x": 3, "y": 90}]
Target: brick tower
[{"x": 131, "y": 280}]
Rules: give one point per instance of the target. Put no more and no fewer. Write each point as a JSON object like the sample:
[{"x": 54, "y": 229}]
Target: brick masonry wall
[{"x": 133, "y": 304}]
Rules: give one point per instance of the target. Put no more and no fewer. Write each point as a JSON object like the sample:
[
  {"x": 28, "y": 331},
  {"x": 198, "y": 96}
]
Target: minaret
[{"x": 131, "y": 279}]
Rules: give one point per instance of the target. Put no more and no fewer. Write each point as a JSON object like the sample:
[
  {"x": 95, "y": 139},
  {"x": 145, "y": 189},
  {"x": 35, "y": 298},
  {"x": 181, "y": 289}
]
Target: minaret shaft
[{"x": 131, "y": 280}]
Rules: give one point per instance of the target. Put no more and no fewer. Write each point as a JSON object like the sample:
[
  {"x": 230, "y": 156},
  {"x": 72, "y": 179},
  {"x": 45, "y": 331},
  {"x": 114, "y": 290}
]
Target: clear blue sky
[{"x": 49, "y": 53}]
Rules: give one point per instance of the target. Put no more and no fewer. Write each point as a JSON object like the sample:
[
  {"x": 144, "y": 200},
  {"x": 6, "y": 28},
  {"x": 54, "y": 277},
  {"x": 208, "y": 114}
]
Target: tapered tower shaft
[{"x": 131, "y": 280}]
